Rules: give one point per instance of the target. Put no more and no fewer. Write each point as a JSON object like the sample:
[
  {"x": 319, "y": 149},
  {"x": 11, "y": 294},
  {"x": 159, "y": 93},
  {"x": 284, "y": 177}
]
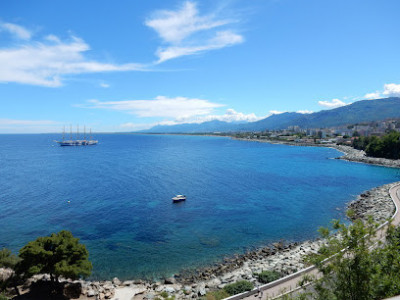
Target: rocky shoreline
[{"x": 280, "y": 257}]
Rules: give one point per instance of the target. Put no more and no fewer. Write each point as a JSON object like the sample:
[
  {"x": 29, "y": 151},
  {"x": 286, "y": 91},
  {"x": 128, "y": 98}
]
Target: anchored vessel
[
  {"x": 77, "y": 141},
  {"x": 179, "y": 198}
]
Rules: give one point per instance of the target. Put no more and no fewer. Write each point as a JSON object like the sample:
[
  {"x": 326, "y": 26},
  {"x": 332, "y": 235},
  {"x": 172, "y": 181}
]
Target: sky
[{"x": 118, "y": 66}]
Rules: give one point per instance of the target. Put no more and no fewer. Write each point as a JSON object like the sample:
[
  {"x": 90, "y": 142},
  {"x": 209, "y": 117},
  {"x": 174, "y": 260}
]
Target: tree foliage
[
  {"x": 366, "y": 269},
  {"x": 7, "y": 259},
  {"x": 387, "y": 146},
  {"x": 238, "y": 287},
  {"x": 268, "y": 276},
  {"x": 59, "y": 254}
]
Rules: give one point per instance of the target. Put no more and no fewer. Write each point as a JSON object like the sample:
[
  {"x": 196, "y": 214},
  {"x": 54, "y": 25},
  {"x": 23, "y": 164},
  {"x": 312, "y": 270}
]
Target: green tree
[
  {"x": 347, "y": 274},
  {"x": 355, "y": 265},
  {"x": 388, "y": 146},
  {"x": 9, "y": 260},
  {"x": 59, "y": 254}
]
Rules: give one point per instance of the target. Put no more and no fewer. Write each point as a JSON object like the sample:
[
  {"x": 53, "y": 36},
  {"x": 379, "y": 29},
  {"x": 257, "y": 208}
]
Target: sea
[{"x": 116, "y": 197}]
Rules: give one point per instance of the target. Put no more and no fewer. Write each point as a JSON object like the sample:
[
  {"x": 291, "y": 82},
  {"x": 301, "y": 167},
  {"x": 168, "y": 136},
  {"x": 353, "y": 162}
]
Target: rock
[
  {"x": 169, "y": 290},
  {"x": 213, "y": 283},
  {"x": 5, "y": 273},
  {"x": 127, "y": 283},
  {"x": 139, "y": 289},
  {"x": 116, "y": 281},
  {"x": 170, "y": 280},
  {"x": 149, "y": 296},
  {"x": 201, "y": 289},
  {"x": 90, "y": 292},
  {"x": 108, "y": 286}
]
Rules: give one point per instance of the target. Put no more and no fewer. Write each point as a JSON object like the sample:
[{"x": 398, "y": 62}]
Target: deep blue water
[{"x": 240, "y": 195}]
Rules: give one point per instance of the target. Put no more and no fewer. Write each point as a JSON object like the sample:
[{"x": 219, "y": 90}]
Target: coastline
[
  {"x": 350, "y": 154},
  {"x": 284, "y": 258}
]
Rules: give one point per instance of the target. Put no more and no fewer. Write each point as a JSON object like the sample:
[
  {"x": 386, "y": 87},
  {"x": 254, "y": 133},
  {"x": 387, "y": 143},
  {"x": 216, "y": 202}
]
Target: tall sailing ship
[{"x": 77, "y": 141}]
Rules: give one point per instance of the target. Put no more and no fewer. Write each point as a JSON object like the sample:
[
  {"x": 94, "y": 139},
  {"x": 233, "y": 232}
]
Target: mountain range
[{"x": 357, "y": 112}]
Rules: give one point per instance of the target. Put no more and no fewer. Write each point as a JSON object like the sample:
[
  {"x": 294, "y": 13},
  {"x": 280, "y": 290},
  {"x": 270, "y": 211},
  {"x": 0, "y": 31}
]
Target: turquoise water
[{"x": 240, "y": 195}]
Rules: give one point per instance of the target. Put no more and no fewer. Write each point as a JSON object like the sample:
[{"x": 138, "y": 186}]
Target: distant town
[{"x": 344, "y": 135}]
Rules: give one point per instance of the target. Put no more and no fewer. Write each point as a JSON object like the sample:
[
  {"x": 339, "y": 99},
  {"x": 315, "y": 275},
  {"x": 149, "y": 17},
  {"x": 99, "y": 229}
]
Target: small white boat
[{"x": 179, "y": 198}]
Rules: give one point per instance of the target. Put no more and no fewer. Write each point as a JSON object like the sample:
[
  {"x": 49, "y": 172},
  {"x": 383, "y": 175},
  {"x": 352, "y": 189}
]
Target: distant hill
[{"x": 357, "y": 112}]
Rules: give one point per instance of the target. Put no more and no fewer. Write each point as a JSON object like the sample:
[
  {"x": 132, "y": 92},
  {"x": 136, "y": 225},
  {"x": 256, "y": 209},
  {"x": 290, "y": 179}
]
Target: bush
[
  {"x": 238, "y": 287},
  {"x": 217, "y": 295},
  {"x": 164, "y": 294},
  {"x": 268, "y": 276},
  {"x": 7, "y": 259},
  {"x": 3, "y": 297}
]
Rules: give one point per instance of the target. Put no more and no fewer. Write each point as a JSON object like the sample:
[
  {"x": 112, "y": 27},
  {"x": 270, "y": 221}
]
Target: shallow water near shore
[{"x": 240, "y": 195}]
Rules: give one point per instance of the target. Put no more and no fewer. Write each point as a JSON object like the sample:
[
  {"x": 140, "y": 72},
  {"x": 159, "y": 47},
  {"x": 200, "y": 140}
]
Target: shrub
[
  {"x": 238, "y": 287},
  {"x": 3, "y": 297},
  {"x": 217, "y": 295},
  {"x": 164, "y": 294},
  {"x": 268, "y": 276}
]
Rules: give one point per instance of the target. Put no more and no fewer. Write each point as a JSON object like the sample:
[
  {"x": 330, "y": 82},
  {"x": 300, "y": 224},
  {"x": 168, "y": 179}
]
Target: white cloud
[
  {"x": 391, "y": 90},
  {"x": 276, "y": 112},
  {"x": 16, "y": 30},
  {"x": 332, "y": 104},
  {"x": 181, "y": 29},
  {"x": 44, "y": 63},
  {"x": 374, "y": 95},
  {"x": 221, "y": 40},
  {"x": 305, "y": 111},
  {"x": 175, "y": 26},
  {"x": 161, "y": 106},
  {"x": 230, "y": 116},
  {"x": 104, "y": 85}
]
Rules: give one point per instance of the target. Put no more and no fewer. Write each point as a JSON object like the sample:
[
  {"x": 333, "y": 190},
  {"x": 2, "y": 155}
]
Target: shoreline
[
  {"x": 350, "y": 154},
  {"x": 284, "y": 258}
]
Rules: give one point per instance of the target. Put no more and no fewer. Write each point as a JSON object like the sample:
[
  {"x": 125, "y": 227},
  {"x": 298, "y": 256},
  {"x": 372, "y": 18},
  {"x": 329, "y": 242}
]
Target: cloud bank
[
  {"x": 389, "y": 90},
  {"x": 45, "y": 62}
]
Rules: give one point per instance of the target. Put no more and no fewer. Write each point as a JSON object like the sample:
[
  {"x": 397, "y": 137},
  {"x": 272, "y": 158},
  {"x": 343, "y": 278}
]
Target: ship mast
[
  {"x": 63, "y": 136},
  {"x": 70, "y": 132},
  {"x": 77, "y": 132},
  {"x": 84, "y": 132}
]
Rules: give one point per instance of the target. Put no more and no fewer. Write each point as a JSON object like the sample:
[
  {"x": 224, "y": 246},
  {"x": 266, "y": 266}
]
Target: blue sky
[{"x": 129, "y": 65}]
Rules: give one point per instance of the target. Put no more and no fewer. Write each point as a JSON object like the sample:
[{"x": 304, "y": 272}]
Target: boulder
[
  {"x": 5, "y": 273},
  {"x": 170, "y": 280},
  {"x": 201, "y": 289},
  {"x": 90, "y": 292},
  {"x": 169, "y": 289},
  {"x": 116, "y": 281}
]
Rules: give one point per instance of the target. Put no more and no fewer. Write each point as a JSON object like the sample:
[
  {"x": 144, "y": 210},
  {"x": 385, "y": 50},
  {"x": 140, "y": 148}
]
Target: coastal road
[{"x": 278, "y": 288}]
